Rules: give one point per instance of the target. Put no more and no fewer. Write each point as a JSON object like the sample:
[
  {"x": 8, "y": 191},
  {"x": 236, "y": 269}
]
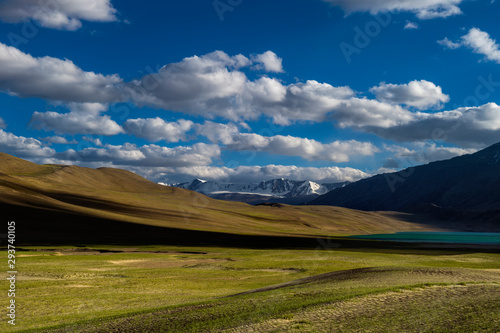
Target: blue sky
[{"x": 237, "y": 91}]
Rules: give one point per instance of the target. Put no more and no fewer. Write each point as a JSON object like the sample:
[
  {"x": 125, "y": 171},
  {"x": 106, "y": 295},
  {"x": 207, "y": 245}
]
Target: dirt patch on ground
[
  {"x": 100, "y": 269},
  {"x": 279, "y": 270},
  {"x": 126, "y": 262},
  {"x": 187, "y": 263},
  {"x": 470, "y": 260},
  {"x": 34, "y": 278}
]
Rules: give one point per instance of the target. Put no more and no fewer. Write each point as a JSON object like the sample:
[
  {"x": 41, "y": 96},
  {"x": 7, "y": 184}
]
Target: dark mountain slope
[{"x": 470, "y": 182}]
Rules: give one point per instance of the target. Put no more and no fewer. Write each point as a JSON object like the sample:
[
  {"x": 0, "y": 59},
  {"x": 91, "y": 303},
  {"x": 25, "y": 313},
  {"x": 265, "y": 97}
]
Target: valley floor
[{"x": 209, "y": 289}]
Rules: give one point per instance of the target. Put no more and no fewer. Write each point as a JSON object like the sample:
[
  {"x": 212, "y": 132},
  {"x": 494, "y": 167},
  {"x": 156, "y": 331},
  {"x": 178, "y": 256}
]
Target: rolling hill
[
  {"x": 468, "y": 184},
  {"x": 58, "y": 204}
]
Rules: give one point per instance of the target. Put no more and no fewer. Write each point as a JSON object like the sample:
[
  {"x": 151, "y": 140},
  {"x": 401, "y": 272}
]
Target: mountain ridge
[
  {"x": 276, "y": 190},
  {"x": 469, "y": 182}
]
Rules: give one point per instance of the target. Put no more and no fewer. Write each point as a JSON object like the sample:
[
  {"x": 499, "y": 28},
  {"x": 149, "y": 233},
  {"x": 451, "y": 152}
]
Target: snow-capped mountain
[{"x": 271, "y": 190}]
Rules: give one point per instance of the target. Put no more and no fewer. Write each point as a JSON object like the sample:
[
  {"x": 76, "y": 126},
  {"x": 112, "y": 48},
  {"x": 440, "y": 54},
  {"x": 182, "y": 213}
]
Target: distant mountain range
[
  {"x": 277, "y": 190},
  {"x": 466, "y": 183}
]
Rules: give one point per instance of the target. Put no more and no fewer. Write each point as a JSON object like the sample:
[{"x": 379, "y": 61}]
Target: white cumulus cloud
[
  {"x": 199, "y": 85},
  {"x": 59, "y": 140},
  {"x": 479, "y": 41},
  {"x": 359, "y": 113},
  {"x": 23, "y": 147},
  {"x": 53, "y": 79},
  {"x": 449, "y": 44},
  {"x": 420, "y": 94},
  {"x": 269, "y": 62},
  {"x": 145, "y": 156},
  {"x": 410, "y": 25},
  {"x": 312, "y": 150},
  {"x": 157, "y": 129},
  {"x": 57, "y": 14},
  {"x": 95, "y": 141},
  {"x": 83, "y": 118},
  {"x": 465, "y": 126},
  {"x": 217, "y": 132}
]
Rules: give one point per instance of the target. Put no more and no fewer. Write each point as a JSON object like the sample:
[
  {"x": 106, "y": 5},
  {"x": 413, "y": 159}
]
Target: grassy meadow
[{"x": 192, "y": 289}]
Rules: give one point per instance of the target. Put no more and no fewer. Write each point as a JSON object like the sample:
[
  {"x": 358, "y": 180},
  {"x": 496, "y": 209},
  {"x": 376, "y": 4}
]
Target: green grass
[
  {"x": 79, "y": 287},
  {"x": 42, "y": 171},
  {"x": 369, "y": 296}
]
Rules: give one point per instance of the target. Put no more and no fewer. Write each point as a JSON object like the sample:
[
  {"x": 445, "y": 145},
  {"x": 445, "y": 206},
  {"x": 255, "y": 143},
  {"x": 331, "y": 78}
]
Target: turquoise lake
[{"x": 438, "y": 237}]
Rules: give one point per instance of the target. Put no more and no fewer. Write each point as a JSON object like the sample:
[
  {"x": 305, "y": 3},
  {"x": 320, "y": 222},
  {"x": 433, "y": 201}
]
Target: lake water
[{"x": 438, "y": 237}]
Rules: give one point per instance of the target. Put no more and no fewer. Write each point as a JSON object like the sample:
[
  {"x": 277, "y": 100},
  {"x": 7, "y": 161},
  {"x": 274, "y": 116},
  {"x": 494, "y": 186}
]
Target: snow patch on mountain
[
  {"x": 497, "y": 157},
  {"x": 280, "y": 188}
]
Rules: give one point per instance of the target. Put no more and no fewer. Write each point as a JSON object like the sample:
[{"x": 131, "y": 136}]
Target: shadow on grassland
[{"x": 39, "y": 226}]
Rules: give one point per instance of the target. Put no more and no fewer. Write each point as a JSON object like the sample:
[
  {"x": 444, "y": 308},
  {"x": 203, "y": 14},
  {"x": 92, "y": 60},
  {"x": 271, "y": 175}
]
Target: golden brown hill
[
  {"x": 56, "y": 196},
  {"x": 12, "y": 165}
]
